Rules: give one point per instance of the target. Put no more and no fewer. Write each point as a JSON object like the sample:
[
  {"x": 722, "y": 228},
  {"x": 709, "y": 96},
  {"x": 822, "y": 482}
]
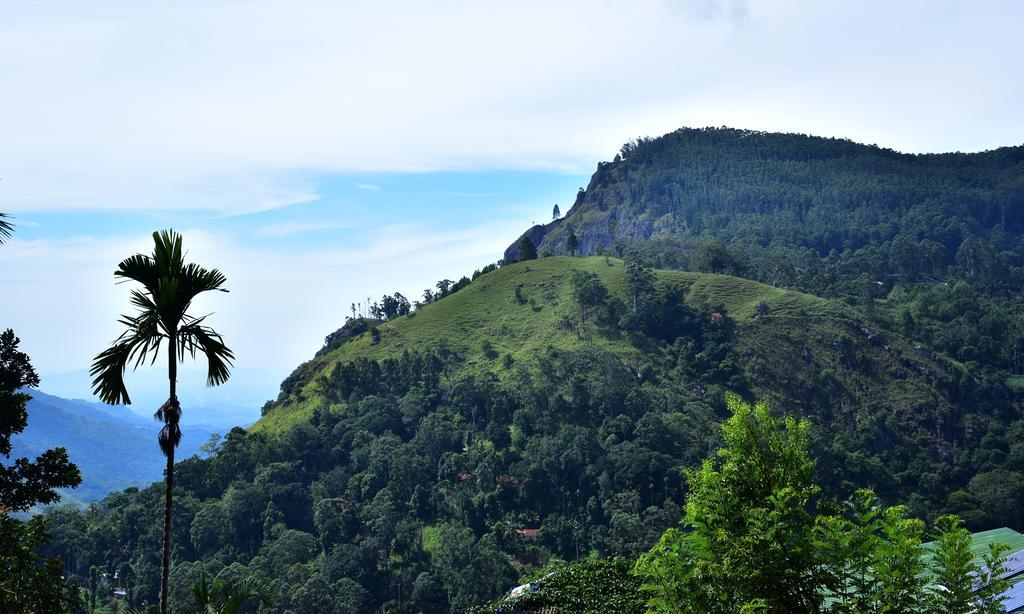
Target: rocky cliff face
[
  {"x": 536, "y": 234},
  {"x": 599, "y": 218},
  {"x": 615, "y": 206}
]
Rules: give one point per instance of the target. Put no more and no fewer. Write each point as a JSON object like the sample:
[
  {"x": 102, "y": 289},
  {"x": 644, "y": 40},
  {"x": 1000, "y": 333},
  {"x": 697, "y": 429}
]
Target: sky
[{"x": 322, "y": 152}]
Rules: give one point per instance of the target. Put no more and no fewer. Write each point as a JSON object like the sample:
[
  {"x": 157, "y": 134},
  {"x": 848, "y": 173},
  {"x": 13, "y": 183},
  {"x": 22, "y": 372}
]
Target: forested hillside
[
  {"x": 545, "y": 411},
  {"x": 430, "y": 457}
]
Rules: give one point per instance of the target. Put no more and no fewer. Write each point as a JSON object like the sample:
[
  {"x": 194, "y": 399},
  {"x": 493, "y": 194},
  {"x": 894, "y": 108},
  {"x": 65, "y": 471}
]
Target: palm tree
[
  {"x": 6, "y": 228},
  {"x": 168, "y": 287},
  {"x": 221, "y": 597}
]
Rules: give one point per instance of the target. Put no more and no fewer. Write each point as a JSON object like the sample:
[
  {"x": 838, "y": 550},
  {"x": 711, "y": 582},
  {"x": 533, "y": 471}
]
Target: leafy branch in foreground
[{"x": 753, "y": 538}]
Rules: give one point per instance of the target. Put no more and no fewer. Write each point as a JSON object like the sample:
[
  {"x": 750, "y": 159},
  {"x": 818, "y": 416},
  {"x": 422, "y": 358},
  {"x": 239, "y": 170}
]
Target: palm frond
[
  {"x": 140, "y": 268},
  {"x": 145, "y": 326},
  {"x": 196, "y": 279},
  {"x": 202, "y": 596},
  {"x": 140, "y": 340},
  {"x": 6, "y": 228},
  {"x": 167, "y": 252},
  {"x": 250, "y": 587},
  {"x": 143, "y": 302},
  {"x": 109, "y": 366},
  {"x": 195, "y": 338}
]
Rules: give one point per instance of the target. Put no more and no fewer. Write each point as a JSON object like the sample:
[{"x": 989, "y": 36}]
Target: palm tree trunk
[
  {"x": 168, "y": 485},
  {"x": 172, "y": 374}
]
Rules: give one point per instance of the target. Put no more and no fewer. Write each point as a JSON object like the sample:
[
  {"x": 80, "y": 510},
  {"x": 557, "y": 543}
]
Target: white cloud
[
  {"x": 366, "y": 186},
  {"x": 226, "y": 105},
  {"x": 61, "y": 297}
]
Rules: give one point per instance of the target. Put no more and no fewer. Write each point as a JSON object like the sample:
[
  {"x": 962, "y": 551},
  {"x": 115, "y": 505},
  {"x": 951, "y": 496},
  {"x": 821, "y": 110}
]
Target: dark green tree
[
  {"x": 169, "y": 285},
  {"x": 961, "y": 585},
  {"x": 93, "y": 586},
  {"x": 715, "y": 257},
  {"x": 28, "y": 582},
  {"x": 871, "y": 557},
  {"x": 527, "y": 250},
  {"x": 25, "y": 483},
  {"x": 572, "y": 243},
  {"x": 556, "y": 213},
  {"x": 639, "y": 280},
  {"x": 588, "y": 291},
  {"x": 747, "y": 540}
]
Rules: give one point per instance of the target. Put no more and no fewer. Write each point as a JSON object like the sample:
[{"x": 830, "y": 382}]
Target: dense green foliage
[
  {"x": 228, "y": 597},
  {"x": 756, "y": 537},
  {"x": 28, "y": 582},
  {"x": 748, "y": 531},
  {"x": 927, "y": 247},
  {"x": 416, "y": 482}
]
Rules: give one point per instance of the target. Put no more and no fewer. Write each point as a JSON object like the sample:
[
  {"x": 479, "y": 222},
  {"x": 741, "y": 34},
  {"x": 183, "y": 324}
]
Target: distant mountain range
[
  {"x": 113, "y": 447},
  {"x": 236, "y": 403}
]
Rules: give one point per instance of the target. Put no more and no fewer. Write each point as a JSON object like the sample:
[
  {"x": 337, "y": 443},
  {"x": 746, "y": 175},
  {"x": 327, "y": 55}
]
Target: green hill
[
  {"x": 879, "y": 398},
  {"x": 488, "y": 312}
]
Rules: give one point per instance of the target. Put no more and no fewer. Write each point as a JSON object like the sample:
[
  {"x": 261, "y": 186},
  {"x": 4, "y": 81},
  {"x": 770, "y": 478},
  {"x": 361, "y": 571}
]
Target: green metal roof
[{"x": 980, "y": 542}]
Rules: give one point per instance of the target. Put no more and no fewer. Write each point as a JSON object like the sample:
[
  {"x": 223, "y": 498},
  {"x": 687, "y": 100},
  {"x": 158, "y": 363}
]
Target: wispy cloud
[
  {"x": 366, "y": 186},
  {"x": 288, "y": 229}
]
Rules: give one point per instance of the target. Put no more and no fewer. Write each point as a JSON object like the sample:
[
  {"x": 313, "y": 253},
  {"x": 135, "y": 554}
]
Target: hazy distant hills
[
  {"x": 113, "y": 447},
  {"x": 236, "y": 403}
]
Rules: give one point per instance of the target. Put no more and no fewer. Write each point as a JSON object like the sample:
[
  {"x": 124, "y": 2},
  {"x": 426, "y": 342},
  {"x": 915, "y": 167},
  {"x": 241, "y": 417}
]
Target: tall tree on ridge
[
  {"x": 556, "y": 212},
  {"x": 169, "y": 286}
]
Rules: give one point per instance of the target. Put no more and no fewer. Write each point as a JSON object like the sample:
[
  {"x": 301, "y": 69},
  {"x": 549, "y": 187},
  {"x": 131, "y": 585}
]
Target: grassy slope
[{"x": 487, "y": 310}]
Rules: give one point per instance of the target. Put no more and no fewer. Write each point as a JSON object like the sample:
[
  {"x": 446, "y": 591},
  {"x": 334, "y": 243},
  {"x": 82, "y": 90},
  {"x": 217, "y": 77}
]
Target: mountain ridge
[{"x": 605, "y": 212}]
